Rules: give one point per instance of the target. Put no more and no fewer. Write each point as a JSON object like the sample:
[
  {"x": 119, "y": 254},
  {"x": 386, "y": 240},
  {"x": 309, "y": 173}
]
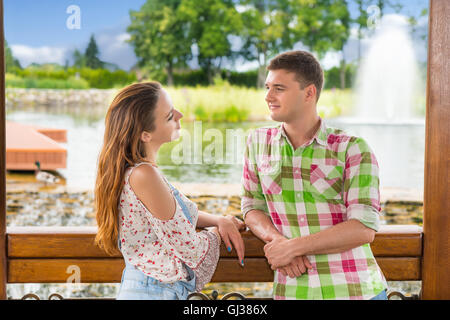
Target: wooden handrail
[{"x": 43, "y": 255}]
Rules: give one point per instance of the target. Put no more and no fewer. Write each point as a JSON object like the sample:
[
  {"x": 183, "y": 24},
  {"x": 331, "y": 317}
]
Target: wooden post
[
  {"x": 3, "y": 261},
  {"x": 436, "y": 225}
]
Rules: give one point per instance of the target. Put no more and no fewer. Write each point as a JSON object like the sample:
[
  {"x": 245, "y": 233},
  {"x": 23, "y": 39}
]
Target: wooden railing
[{"x": 44, "y": 254}]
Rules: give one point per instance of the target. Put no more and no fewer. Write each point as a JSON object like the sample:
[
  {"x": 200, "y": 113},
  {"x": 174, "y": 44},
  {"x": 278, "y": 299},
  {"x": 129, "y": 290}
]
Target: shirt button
[
  {"x": 302, "y": 219},
  {"x": 299, "y": 194}
]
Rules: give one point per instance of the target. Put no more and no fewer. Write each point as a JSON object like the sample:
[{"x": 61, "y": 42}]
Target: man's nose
[{"x": 269, "y": 96}]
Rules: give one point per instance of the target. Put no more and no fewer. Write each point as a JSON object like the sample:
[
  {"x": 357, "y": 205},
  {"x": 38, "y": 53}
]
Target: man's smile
[{"x": 274, "y": 106}]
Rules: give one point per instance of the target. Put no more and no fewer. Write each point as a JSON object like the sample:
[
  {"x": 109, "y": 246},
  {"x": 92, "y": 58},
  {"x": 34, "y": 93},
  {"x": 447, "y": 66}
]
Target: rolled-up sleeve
[
  {"x": 361, "y": 184},
  {"x": 252, "y": 197}
]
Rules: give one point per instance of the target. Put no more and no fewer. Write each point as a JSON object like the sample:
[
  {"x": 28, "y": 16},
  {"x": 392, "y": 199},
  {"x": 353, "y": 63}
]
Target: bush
[
  {"x": 333, "y": 77},
  {"x": 13, "y": 81},
  {"x": 59, "y": 78},
  {"x": 194, "y": 78},
  {"x": 105, "y": 79}
]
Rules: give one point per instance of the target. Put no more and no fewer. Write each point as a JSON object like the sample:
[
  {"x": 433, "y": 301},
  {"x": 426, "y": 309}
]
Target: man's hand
[
  {"x": 278, "y": 252},
  {"x": 296, "y": 268},
  {"x": 279, "y": 256}
]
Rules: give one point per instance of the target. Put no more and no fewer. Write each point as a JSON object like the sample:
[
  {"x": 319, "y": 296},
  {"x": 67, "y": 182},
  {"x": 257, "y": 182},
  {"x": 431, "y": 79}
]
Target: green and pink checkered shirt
[{"x": 330, "y": 179}]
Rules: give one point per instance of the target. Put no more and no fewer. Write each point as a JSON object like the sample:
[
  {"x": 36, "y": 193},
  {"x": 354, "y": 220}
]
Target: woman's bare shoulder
[{"x": 151, "y": 189}]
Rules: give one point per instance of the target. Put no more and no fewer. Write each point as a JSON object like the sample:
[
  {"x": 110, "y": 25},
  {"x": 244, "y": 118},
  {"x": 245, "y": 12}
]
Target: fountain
[
  {"x": 388, "y": 81},
  {"x": 387, "y": 93}
]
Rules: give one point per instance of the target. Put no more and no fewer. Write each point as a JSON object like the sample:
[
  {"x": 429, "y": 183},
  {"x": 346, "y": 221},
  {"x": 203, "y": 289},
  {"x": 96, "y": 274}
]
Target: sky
[{"x": 37, "y": 31}]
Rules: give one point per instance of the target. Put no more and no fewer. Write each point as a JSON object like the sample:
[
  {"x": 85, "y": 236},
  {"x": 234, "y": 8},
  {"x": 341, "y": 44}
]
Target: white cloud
[
  {"x": 45, "y": 54},
  {"x": 114, "y": 48}
]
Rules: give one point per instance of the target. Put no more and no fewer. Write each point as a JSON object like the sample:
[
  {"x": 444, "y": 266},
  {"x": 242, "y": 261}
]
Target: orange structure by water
[{"x": 27, "y": 144}]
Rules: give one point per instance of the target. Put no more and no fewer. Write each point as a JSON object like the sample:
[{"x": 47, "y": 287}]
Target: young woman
[{"x": 142, "y": 214}]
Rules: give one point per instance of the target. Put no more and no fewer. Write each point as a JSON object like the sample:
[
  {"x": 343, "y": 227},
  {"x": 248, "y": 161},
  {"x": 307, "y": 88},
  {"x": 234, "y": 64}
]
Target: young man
[{"x": 311, "y": 192}]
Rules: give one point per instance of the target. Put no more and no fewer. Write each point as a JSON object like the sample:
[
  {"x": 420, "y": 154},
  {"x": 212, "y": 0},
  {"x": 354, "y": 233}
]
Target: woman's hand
[
  {"x": 216, "y": 231},
  {"x": 229, "y": 227}
]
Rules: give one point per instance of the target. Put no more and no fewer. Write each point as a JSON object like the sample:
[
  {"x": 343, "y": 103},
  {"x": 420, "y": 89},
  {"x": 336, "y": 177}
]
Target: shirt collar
[{"x": 321, "y": 135}]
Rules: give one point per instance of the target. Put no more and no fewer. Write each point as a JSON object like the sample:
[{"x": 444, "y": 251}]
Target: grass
[{"x": 221, "y": 103}]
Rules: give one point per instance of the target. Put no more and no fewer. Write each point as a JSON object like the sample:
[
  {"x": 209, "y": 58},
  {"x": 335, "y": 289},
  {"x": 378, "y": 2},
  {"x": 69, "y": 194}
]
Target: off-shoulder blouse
[{"x": 161, "y": 249}]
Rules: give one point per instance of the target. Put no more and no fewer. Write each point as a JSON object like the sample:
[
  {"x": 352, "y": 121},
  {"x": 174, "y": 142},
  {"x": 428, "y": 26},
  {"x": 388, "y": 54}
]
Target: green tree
[
  {"x": 382, "y": 4},
  {"x": 11, "y": 63},
  {"x": 211, "y": 23},
  {"x": 91, "y": 55},
  {"x": 361, "y": 21},
  {"x": 322, "y": 25},
  {"x": 264, "y": 32},
  {"x": 160, "y": 38},
  {"x": 79, "y": 60}
]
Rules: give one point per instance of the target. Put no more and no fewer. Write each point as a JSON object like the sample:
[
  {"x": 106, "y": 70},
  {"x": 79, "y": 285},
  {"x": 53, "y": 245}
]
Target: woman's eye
[{"x": 171, "y": 117}]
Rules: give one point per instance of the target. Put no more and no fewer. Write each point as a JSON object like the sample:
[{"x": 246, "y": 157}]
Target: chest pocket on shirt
[
  {"x": 269, "y": 172},
  {"x": 326, "y": 180}
]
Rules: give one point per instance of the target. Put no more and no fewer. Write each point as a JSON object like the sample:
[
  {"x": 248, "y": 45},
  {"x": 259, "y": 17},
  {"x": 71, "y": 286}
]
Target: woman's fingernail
[
  {"x": 229, "y": 249},
  {"x": 242, "y": 262}
]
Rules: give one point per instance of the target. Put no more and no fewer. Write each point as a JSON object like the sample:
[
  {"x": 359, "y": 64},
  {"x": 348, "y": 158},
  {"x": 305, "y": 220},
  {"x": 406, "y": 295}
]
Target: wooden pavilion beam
[
  {"x": 3, "y": 261},
  {"x": 436, "y": 225}
]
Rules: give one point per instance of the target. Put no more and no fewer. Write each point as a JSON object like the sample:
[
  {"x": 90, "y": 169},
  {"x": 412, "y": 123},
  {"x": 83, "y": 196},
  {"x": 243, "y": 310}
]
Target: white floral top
[{"x": 159, "y": 248}]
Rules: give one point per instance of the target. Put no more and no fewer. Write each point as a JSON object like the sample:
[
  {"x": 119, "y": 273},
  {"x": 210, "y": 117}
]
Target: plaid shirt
[{"x": 330, "y": 179}]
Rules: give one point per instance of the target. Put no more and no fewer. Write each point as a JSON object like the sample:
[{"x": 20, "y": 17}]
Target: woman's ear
[{"x": 146, "y": 137}]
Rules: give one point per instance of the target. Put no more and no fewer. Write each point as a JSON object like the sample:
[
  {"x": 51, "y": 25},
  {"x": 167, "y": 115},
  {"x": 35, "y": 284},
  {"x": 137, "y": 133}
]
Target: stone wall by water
[{"x": 17, "y": 97}]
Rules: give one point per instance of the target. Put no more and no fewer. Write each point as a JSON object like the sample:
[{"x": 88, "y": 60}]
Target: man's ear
[
  {"x": 146, "y": 136},
  {"x": 311, "y": 92}
]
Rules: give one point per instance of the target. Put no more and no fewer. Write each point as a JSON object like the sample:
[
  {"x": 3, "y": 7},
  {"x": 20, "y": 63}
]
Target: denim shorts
[
  {"x": 136, "y": 285},
  {"x": 381, "y": 296}
]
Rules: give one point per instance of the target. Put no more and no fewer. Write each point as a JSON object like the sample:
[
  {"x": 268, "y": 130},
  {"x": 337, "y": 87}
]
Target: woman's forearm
[{"x": 207, "y": 220}]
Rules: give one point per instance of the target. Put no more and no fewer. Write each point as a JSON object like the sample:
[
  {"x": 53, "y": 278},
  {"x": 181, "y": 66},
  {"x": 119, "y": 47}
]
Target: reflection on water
[{"x": 398, "y": 148}]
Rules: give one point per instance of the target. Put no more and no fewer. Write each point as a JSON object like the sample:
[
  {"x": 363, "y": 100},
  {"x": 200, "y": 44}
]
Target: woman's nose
[{"x": 178, "y": 115}]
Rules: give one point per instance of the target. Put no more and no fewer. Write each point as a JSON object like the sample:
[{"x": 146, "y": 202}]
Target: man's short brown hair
[{"x": 305, "y": 66}]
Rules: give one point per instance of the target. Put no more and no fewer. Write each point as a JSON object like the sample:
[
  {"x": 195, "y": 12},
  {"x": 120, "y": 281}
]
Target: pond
[{"x": 399, "y": 149}]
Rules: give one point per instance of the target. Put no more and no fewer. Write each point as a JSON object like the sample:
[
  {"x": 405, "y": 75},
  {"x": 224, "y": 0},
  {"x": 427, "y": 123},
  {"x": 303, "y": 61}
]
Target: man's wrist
[
  {"x": 295, "y": 247},
  {"x": 276, "y": 235}
]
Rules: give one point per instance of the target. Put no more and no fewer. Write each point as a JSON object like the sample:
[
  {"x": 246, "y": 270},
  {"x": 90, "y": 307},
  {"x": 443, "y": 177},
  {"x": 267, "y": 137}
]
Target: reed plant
[{"x": 226, "y": 103}]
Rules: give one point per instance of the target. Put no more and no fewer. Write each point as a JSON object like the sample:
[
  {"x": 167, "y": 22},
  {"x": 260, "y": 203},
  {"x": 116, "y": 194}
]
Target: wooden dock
[{"x": 27, "y": 144}]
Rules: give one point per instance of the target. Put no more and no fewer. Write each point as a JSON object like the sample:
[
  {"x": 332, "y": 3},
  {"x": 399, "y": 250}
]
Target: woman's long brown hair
[{"x": 130, "y": 113}]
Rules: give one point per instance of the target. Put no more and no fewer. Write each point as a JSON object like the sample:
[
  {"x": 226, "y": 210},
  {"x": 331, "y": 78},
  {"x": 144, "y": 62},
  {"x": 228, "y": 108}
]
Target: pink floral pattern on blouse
[{"x": 159, "y": 248}]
